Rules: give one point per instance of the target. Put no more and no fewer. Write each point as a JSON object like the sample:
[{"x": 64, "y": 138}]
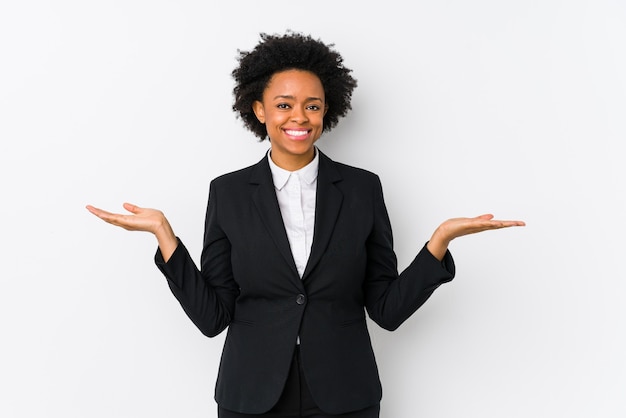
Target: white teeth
[{"x": 296, "y": 133}]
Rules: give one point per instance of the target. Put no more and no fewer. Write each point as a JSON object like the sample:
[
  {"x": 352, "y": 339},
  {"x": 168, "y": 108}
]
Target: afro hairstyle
[{"x": 276, "y": 53}]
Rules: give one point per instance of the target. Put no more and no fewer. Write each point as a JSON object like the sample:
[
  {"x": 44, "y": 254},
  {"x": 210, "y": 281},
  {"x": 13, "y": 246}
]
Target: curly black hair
[{"x": 276, "y": 53}]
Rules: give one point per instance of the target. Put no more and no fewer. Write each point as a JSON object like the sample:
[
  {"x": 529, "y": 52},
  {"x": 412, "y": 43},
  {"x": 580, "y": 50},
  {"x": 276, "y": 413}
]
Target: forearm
[
  {"x": 207, "y": 298},
  {"x": 166, "y": 239},
  {"x": 392, "y": 301},
  {"x": 438, "y": 244}
]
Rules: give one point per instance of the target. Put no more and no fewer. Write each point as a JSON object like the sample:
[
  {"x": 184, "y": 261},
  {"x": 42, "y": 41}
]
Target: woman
[{"x": 296, "y": 248}]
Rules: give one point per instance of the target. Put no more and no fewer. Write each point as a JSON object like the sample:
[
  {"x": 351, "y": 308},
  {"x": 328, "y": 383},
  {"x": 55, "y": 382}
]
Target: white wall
[{"x": 510, "y": 107}]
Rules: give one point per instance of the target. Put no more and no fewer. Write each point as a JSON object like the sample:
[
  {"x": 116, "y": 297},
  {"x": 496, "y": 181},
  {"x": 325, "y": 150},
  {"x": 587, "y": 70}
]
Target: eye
[
  {"x": 282, "y": 106},
  {"x": 313, "y": 107}
]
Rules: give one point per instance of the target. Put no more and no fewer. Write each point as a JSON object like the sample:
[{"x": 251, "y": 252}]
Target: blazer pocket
[{"x": 239, "y": 321}]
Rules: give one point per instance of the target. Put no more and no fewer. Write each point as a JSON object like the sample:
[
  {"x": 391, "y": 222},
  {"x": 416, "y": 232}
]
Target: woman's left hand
[{"x": 457, "y": 227}]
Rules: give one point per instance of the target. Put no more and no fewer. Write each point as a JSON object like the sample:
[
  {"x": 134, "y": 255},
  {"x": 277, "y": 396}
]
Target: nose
[{"x": 299, "y": 115}]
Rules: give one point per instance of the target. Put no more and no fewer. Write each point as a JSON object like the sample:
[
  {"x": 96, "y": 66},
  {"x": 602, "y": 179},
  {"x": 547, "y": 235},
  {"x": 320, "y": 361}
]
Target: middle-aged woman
[{"x": 296, "y": 248}]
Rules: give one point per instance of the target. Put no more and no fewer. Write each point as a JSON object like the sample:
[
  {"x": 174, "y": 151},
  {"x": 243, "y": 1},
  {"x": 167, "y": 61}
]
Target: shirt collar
[{"x": 308, "y": 173}]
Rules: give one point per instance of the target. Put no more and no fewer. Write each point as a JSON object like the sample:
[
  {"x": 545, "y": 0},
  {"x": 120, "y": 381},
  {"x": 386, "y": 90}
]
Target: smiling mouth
[{"x": 296, "y": 133}]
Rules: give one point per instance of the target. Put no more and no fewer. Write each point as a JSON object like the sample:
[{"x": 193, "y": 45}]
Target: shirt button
[{"x": 300, "y": 299}]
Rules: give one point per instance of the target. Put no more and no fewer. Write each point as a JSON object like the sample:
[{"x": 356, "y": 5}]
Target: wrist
[
  {"x": 166, "y": 238},
  {"x": 438, "y": 244},
  {"x": 163, "y": 231}
]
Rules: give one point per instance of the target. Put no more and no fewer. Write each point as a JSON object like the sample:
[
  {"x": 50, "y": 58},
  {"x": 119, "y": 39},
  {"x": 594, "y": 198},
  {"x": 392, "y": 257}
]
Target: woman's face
[{"x": 292, "y": 110}]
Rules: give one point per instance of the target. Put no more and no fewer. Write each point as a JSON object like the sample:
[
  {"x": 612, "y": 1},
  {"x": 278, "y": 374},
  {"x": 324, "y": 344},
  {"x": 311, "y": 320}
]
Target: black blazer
[{"x": 248, "y": 282}]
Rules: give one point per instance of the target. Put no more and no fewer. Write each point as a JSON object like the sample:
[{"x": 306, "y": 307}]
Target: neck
[{"x": 292, "y": 162}]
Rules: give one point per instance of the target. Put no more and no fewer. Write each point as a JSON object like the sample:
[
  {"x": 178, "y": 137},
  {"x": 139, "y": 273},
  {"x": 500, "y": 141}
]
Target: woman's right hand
[{"x": 142, "y": 219}]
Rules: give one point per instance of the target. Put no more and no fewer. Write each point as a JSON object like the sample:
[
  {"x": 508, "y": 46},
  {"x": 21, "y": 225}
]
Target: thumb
[{"x": 132, "y": 208}]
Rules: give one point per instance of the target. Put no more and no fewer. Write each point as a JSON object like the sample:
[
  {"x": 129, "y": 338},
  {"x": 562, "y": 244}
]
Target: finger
[
  {"x": 112, "y": 218},
  {"x": 486, "y": 216},
  {"x": 497, "y": 224},
  {"x": 514, "y": 223},
  {"x": 132, "y": 208},
  {"x": 96, "y": 211}
]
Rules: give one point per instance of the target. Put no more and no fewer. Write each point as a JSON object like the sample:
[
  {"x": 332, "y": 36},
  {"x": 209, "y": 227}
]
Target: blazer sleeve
[
  {"x": 207, "y": 295},
  {"x": 391, "y": 298}
]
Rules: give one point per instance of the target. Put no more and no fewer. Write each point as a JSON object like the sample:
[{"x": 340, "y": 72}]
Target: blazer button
[{"x": 300, "y": 299}]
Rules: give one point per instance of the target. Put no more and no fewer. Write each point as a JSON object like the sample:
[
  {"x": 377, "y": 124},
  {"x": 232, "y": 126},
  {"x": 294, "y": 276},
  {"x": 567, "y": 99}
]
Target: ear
[
  {"x": 259, "y": 110},
  {"x": 325, "y": 109}
]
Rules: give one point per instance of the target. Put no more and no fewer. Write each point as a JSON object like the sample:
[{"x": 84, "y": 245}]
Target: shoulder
[
  {"x": 348, "y": 173},
  {"x": 357, "y": 172},
  {"x": 240, "y": 176},
  {"x": 233, "y": 176}
]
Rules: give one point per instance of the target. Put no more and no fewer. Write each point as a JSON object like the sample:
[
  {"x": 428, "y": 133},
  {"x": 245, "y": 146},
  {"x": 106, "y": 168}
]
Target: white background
[{"x": 511, "y": 107}]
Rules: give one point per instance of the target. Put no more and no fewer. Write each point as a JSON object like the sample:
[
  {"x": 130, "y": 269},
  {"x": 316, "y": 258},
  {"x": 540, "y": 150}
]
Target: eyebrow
[{"x": 308, "y": 99}]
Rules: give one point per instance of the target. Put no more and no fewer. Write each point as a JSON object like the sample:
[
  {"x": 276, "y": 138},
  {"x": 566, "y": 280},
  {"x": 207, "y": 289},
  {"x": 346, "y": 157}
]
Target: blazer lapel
[
  {"x": 264, "y": 198},
  {"x": 327, "y": 206}
]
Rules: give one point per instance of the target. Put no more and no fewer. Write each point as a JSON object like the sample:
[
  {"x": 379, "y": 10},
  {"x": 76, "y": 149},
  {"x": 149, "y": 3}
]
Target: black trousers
[{"x": 296, "y": 400}]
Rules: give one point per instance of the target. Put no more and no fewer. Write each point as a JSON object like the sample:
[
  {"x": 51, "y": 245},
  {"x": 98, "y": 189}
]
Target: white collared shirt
[{"x": 296, "y": 192}]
